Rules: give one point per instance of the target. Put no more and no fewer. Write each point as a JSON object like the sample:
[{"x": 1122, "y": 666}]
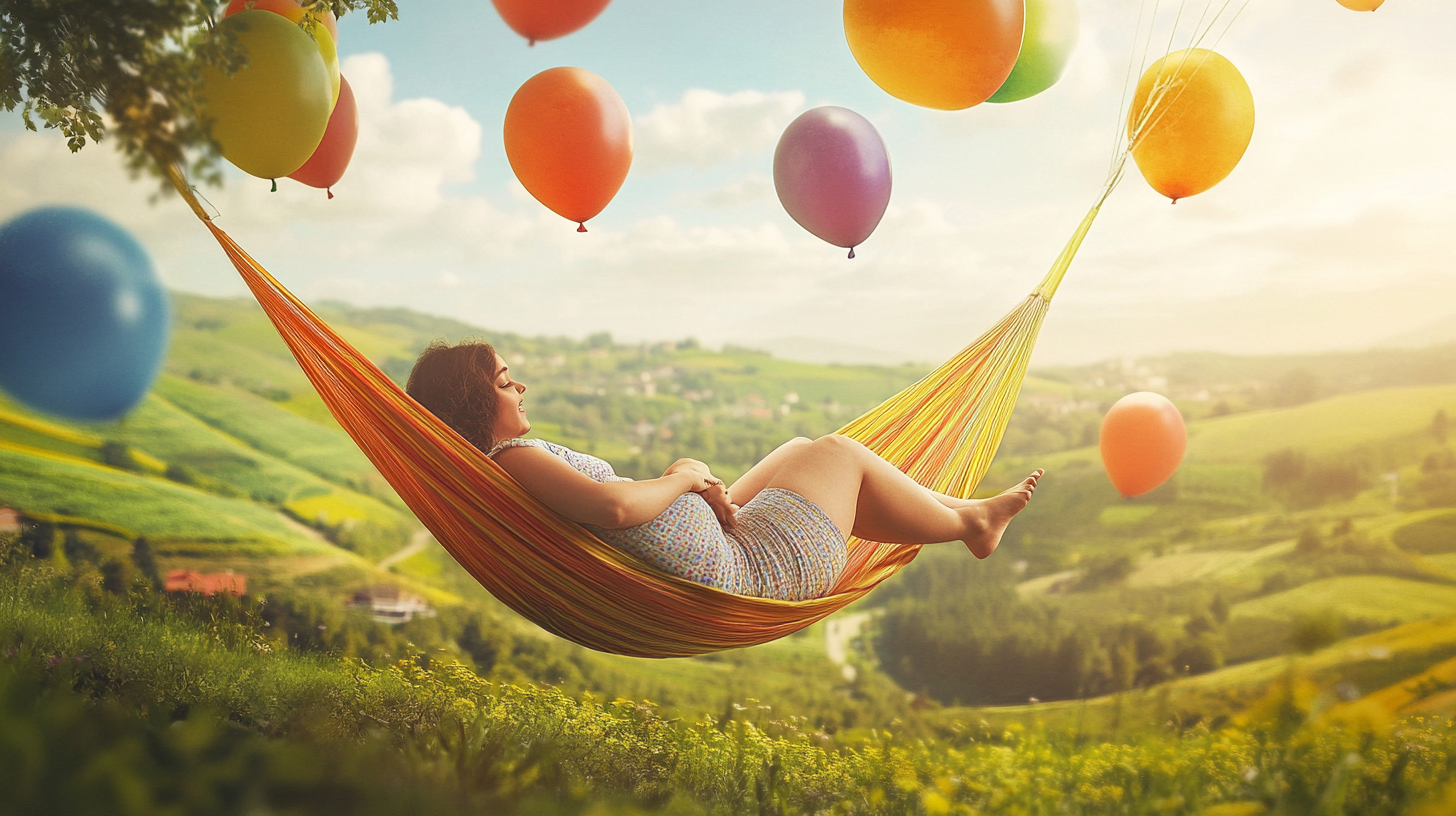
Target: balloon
[
  {"x": 1142, "y": 440},
  {"x": 288, "y": 8},
  {"x": 1361, "y": 5},
  {"x": 547, "y": 19},
  {"x": 946, "y": 54},
  {"x": 83, "y": 319},
  {"x": 327, "y": 45},
  {"x": 329, "y": 161},
  {"x": 270, "y": 115},
  {"x": 832, "y": 175},
  {"x": 1198, "y": 125},
  {"x": 569, "y": 140},
  {"x": 1051, "y": 34}
]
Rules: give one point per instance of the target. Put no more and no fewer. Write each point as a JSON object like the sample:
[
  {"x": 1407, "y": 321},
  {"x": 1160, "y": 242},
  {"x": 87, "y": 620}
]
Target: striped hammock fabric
[{"x": 943, "y": 431}]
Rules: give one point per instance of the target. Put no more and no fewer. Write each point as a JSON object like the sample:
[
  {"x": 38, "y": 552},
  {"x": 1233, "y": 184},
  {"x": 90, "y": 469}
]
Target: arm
[{"x": 610, "y": 505}]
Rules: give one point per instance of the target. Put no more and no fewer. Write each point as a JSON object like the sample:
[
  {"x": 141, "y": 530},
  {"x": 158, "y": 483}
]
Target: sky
[{"x": 1334, "y": 232}]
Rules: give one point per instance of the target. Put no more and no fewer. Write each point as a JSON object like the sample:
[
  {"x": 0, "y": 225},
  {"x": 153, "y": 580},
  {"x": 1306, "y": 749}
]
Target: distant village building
[
  {"x": 390, "y": 604},
  {"x": 10, "y": 520},
  {"x": 207, "y": 583}
]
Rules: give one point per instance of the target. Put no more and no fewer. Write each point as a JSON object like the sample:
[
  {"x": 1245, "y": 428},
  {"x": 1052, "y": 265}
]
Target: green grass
[
  {"x": 462, "y": 735},
  {"x": 1432, "y": 533},
  {"x": 1371, "y": 662},
  {"x": 141, "y": 504},
  {"x": 1198, "y": 566},
  {"x": 1322, "y": 428},
  {"x": 263, "y": 426},
  {"x": 1124, "y": 515},
  {"x": 1377, "y": 598}
]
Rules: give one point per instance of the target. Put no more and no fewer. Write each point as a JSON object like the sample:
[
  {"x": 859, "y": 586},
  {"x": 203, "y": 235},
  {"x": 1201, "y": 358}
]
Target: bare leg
[
  {"x": 757, "y": 478},
  {"x": 871, "y": 498}
]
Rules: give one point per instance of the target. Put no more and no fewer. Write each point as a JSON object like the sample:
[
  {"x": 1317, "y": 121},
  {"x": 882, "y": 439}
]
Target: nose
[{"x": 520, "y": 388}]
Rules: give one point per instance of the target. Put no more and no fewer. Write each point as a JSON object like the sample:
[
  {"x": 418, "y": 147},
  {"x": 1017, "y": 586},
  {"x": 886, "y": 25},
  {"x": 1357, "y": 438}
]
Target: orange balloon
[
  {"x": 288, "y": 8},
  {"x": 331, "y": 158},
  {"x": 1198, "y": 124},
  {"x": 944, "y": 54},
  {"x": 547, "y": 19},
  {"x": 569, "y": 140},
  {"x": 1143, "y": 439},
  {"x": 1361, "y": 5}
]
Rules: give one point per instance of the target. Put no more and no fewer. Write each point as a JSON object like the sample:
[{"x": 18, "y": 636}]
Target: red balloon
[
  {"x": 1143, "y": 439},
  {"x": 568, "y": 138},
  {"x": 331, "y": 158},
  {"x": 548, "y": 19}
]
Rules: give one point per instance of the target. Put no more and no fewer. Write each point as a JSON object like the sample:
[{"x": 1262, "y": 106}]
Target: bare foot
[{"x": 986, "y": 520}]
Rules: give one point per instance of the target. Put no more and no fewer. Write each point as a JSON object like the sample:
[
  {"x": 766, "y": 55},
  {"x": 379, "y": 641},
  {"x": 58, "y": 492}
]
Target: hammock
[{"x": 943, "y": 431}]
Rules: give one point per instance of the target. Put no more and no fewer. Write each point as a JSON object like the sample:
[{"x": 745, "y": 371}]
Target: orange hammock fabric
[{"x": 943, "y": 431}]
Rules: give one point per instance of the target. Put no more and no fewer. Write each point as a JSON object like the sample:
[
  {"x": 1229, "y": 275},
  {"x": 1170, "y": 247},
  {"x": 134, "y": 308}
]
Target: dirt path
[
  {"x": 418, "y": 542},
  {"x": 838, "y": 632}
]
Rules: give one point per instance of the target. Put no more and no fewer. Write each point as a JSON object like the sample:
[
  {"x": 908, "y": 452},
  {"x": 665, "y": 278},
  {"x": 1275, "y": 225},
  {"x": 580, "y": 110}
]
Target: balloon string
[
  {"x": 851, "y": 252},
  {"x": 580, "y": 226},
  {"x": 275, "y": 186}
]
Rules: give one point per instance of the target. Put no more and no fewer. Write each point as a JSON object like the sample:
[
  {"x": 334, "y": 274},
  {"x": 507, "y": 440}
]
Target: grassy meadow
[{"x": 1223, "y": 645}]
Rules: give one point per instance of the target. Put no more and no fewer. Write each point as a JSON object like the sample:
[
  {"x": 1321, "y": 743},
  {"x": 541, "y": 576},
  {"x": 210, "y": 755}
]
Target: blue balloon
[{"x": 83, "y": 319}]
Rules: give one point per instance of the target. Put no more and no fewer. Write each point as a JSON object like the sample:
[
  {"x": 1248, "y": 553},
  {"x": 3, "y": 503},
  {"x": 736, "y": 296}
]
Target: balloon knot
[
  {"x": 330, "y": 191},
  {"x": 580, "y": 226},
  {"x": 530, "y": 43},
  {"x": 275, "y": 186},
  {"x": 1174, "y": 201},
  {"x": 851, "y": 252}
]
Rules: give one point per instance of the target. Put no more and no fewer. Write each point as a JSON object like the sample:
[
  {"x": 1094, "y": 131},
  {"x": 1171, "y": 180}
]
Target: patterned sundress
[{"x": 784, "y": 546}]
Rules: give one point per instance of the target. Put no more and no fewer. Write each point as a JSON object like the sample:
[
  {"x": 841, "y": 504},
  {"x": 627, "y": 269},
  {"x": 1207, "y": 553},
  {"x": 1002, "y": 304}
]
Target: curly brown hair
[{"x": 457, "y": 384}]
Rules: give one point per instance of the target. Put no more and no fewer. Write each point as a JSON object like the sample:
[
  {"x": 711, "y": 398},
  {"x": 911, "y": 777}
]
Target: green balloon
[{"x": 1051, "y": 34}]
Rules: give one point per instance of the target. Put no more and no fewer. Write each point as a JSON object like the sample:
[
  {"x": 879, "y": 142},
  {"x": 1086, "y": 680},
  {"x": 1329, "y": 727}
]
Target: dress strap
[{"x": 517, "y": 442}]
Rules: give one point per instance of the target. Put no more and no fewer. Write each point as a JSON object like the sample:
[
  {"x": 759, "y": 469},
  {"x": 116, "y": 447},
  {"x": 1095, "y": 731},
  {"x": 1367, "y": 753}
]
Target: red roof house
[{"x": 207, "y": 583}]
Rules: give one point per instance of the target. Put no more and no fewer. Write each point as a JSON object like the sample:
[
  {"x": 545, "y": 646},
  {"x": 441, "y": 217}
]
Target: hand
[
  {"x": 692, "y": 466},
  {"x": 723, "y": 507}
]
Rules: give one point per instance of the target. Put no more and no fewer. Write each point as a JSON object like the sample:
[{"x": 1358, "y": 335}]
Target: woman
[{"x": 779, "y": 532}]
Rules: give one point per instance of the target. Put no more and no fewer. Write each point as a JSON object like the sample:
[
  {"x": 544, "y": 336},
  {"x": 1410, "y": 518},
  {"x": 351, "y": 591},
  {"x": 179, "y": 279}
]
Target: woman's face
[{"x": 510, "y": 417}]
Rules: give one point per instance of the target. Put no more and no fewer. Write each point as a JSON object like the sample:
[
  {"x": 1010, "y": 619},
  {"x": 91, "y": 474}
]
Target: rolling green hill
[{"x": 233, "y": 462}]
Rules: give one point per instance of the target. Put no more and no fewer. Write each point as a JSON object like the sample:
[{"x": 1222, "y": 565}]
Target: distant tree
[
  {"x": 1219, "y": 609},
  {"x": 145, "y": 561},
  {"x": 1294, "y": 388},
  {"x": 1283, "y": 467},
  {"x": 40, "y": 536},
  {"x": 116, "y": 576},
  {"x": 119, "y": 455},
  {"x": 1439, "y": 425},
  {"x": 130, "y": 67},
  {"x": 1309, "y": 541},
  {"x": 1316, "y": 630},
  {"x": 1198, "y": 655},
  {"x": 77, "y": 549}
]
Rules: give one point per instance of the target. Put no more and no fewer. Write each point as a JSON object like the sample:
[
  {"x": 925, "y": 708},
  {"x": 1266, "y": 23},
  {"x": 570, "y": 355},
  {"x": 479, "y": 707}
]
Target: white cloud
[
  {"x": 753, "y": 188},
  {"x": 1332, "y": 232},
  {"x": 708, "y": 127}
]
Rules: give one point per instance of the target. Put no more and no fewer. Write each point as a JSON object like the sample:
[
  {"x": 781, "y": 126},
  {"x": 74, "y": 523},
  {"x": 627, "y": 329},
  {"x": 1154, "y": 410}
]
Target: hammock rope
[{"x": 943, "y": 431}]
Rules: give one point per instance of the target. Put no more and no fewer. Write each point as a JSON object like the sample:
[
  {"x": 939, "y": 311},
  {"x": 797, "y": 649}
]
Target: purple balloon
[{"x": 833, "y": 175}]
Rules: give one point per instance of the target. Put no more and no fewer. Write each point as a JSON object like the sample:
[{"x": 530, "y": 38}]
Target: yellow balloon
[
  {"x": 1361, "y": 5},
  {"x": 1191, "y": 121},
  {"x": 330, "y": 54},
  {"x": 269, "y": 116},
  {"x": 944, "y": 54}
]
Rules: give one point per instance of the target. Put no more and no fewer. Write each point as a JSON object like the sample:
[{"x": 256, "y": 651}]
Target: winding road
[{"x": 418, "y": 542}]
